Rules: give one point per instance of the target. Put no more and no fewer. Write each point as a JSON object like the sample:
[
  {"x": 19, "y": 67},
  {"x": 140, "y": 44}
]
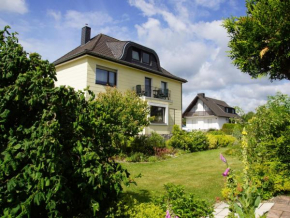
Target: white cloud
[
  {"x": 76, "y": 19},
  {"x": 55, "y": 14},
  {"x": 14, "y": 6},
  {"x": 196, "y": 51},
  {"x": 147, "y": 8},
  {"x": 212, "y": 4}
]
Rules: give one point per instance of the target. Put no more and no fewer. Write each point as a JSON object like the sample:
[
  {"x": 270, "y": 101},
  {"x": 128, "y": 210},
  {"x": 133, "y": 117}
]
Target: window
[
  {"x": 158, "y": 113},
  {"x": 105, "y": 77},
  {"x": 135, "y": 55},
  {"x": 147, "y": 87},
  {"x": 163, "y": 86},
  {"x": 145, "y": 58},
  {"x": 230, "y": 110}
]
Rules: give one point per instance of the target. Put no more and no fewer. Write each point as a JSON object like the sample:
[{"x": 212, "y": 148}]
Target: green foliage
[
  {"x": 146, "y": 144},
  {"x": 246, "y": 117},
  {"x": 128, "y": 207},
  {"x": 56, "y": 146},
  {"x": 269, "y": 131},
  {"x": 137, "y": 157},
  {"x": 243, "y": 198},
  {"x": 146, "y": 210},
  {"x": 156, "y": 140},
  {"x": 259, "y": 41},
  {"x": 270, "y": 178},
  {"x": 197, "y": 141},
  {"x": 216, "y": 141},
  {"x": 188, "y": 141},
  {"x": 140, "y": 143},
  {"x": 183, "y": 205},
  {"x": 228, "y": 128},
  {"x": 213, "y": 141},
  {"x": 215, "y": 132}
]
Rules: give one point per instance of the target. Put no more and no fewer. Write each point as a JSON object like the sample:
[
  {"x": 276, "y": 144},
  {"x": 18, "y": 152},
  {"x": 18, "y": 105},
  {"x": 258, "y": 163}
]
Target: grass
[{"x": 200, "y": 173}]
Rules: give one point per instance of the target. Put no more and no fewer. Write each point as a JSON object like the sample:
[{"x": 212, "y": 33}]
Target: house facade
[
  {"x": 205, "y": 113},
  {"x": 104, "y": 61}
]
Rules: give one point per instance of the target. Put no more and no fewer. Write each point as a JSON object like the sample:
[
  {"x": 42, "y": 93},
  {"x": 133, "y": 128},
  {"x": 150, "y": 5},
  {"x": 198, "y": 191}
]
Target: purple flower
[
  {"x": 223, "y": 158},
  {"x": 226, "y": 173},
  {"x": 168, "y": 214}
]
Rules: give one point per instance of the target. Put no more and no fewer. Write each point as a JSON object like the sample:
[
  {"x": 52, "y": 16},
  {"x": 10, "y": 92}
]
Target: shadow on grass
[{"x": 143, "y": 196}]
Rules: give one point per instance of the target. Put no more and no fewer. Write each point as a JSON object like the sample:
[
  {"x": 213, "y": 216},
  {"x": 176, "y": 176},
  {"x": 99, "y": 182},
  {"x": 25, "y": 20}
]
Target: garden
[{"x": 63, "y": 155}]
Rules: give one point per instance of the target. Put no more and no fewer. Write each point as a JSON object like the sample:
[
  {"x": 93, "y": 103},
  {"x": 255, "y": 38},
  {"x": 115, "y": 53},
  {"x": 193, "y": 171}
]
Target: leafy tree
[
  {"x": 246, "y": 117},
  {"x": 259, "y": 41},
  {"x": 55, "y": 146}
]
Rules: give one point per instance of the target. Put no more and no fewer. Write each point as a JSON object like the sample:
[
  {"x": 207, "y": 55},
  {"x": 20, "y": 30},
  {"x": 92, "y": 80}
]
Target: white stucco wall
[{"x": 205, "y": 122}]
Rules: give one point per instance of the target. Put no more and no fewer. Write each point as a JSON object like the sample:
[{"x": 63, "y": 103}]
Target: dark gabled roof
[
  {"x": 112, "y": 49},
  {"x": 216, "y": 106}
]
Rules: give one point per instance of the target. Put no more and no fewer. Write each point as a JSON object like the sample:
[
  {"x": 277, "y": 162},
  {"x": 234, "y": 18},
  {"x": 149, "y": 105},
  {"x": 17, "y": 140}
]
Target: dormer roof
[{"x": 109, "y": 48}]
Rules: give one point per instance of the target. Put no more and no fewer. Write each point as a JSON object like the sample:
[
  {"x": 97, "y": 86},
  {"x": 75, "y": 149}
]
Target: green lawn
[{"x": 200, "y": 173}]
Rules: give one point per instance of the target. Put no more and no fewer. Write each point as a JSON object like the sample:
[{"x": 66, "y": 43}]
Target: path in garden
[{"x": 279, "y": 207}]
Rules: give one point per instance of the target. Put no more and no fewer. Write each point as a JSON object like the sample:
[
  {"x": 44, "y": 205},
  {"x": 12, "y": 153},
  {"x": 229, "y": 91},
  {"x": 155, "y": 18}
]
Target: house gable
[{"x": 211, "y": 106}]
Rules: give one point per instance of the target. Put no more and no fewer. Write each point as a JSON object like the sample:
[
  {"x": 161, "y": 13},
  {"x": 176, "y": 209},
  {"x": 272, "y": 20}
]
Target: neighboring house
[
  {"x": 104, "y": 61},
  {"x": 205, "y": 113}
]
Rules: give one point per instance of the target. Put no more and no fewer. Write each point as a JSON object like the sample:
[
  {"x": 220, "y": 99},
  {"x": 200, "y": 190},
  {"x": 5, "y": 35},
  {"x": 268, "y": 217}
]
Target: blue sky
[{"x": 186, "y": 34}]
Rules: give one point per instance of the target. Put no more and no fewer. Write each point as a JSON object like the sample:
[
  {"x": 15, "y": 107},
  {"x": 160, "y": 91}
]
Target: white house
[{"x": 205, "y": 113}]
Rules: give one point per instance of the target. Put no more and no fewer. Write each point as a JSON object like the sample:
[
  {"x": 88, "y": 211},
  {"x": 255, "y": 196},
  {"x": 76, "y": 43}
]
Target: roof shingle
[{"x": 107, "y": 47}]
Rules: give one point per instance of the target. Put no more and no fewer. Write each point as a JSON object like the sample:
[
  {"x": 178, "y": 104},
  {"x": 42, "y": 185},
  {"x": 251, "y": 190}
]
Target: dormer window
[
  {"x": 230, "y": 110},
  {"x": 146, "y": 58},
  {"x": 136, "y": 55}
]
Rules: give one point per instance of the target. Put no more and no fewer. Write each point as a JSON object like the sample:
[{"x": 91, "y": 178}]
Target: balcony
[{"x": 153, "y": 92}]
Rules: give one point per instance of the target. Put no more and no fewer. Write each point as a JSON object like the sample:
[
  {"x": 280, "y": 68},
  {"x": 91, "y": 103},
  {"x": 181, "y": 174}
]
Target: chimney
[
  {"x": 86, "y": 34},
  {"x": 201, "y": 95}
]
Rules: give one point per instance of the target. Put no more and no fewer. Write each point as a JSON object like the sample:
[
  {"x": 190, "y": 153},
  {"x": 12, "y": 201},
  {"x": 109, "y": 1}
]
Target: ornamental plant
[
  {"x": 243, "y": 199},
  {"x": 269, "y": 146},
  {"x": 56, "y": 146},
  {"x": 177, "y": 203}
]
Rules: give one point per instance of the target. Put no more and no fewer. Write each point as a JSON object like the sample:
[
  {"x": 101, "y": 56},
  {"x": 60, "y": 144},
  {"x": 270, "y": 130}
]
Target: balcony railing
[
  {"x": 198, "y": 113},
  {"x": 153, "y": 92}
]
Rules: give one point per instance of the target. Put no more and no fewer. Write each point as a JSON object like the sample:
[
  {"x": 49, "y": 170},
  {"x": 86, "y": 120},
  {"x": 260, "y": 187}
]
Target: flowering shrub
[{"x": 243, "y": 199}]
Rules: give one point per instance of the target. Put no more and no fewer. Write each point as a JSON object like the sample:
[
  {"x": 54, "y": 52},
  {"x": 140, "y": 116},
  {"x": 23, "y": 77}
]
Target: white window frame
[{"x": 166, "y": 112}]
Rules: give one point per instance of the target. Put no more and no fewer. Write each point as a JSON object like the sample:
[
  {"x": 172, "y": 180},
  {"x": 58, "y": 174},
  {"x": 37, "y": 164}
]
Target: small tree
[
  {"x": 259, "y": 41},
  {"x": 55, "y": 146}
]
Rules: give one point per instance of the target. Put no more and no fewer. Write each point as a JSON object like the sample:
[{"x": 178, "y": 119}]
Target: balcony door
[{"x": 147, "y": 87}]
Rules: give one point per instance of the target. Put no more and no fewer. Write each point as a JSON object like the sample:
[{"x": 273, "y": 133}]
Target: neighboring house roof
[
  {"x": 216, "y": 106},
  {"x": 112, "y": 49}
]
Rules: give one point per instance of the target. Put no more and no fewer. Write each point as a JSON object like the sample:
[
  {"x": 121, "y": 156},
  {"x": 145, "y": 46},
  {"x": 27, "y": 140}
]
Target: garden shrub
[
  {"x": 269, "y": 144},
  {"x": 56, "y": 147},
  {"x": 188, "y": 141},
  {"x": 143, "y": 210},
  {"x": 197, "y": 141},
  {"x": 156, "y": 140},
  {"x": 213, "y": 141},
  {"x": 183, "y": 205},
  {"x": 128, "y": 207},
  {"x": 216, "y": 141},
  {"x": 137, "y": 157},
  {"x": 237, "y": 131},
  {"x": 225, "y": 140},
  {"x": 152, "y": 159},
  {"x": 215, "y": 132},
  {"x": 140, "y": 144},
  {"x": 228, "y": 128}
]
